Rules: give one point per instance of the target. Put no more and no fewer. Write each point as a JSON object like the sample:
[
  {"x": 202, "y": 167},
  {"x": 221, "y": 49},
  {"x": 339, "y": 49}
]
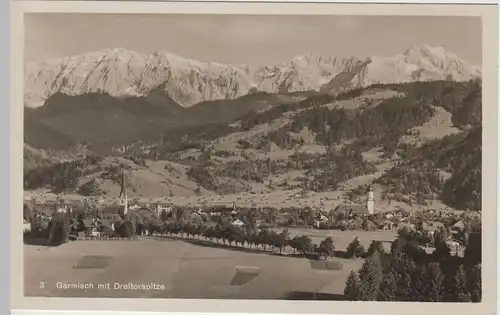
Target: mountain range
[{"x": 123, "y": 74}]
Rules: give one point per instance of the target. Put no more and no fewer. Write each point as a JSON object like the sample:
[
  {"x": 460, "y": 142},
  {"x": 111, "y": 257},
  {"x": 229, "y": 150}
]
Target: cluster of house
[
  {"x": 91, "y": 226},
  {"x": 452, "y": 240},
  {"x": 95, "y": 224},
  {"x": 391, "y": 220}
]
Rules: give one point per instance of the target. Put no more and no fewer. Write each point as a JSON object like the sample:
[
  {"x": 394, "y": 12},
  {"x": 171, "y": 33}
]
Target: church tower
[
  {"x": 371, "y": 201},
  {"x": 123, "y": 193}
]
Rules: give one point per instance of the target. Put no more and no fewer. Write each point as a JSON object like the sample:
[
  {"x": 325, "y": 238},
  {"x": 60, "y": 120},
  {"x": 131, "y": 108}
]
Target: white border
[{"x": 130, "y": 7}]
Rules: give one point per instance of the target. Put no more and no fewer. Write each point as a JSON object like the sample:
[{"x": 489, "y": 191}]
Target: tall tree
[
  {"x": 388, "y": 286},
  {"x": 352, "y": 288},
  {"x": 283, "y": 239},
  {"x": 59, "y": 229},
  {"x": 403, "y": 270},
  {"x": 461, "y": 290},
  {"x": 435, "y": 282},
  {"x": 474, "y": 283},
  {"x": 304, "y": 244},
  {"x": 375, "y": 246},
  {"x": 326, "y": 246},
  {"x": 428, "y": 283},
  {"x": 355, "y": 249},
  {"x": 472, "y": 255},
  {"x": 370, "y": 277}
]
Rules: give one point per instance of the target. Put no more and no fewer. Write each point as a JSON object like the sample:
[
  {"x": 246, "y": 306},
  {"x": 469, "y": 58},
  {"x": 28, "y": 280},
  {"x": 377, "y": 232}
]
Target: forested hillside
[{"x": 326, "y": 140}]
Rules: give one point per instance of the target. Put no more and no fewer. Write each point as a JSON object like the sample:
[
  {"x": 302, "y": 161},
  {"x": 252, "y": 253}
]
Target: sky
[{"x": 254, "y": 40}]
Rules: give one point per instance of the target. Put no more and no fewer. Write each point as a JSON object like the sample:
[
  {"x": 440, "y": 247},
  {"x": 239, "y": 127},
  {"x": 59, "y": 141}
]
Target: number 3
[{"x": 42, "y": 284}]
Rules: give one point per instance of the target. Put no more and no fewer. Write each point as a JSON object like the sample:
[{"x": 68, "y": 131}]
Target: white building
[
  {"x": 238, "y": 223},
  {"x": 371, "y": 201},
  {"x": 453, "y": 245},
  {"x": 160, "y": 208},
  {"x": 323, "y": 218},
  {"x": 134, "y": 207}
]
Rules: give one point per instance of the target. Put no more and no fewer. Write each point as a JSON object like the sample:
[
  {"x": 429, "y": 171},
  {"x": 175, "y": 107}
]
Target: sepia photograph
[{"x": 252, "y": 156}]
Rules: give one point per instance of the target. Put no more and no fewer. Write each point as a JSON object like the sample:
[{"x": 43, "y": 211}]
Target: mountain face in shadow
[
  {"x": 116, "y": 96},
  {"x": 104, "y": 121}
]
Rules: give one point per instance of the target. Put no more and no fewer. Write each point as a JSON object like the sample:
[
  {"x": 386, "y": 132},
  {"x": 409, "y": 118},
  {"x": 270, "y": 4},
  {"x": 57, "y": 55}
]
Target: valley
[{"x": 316, "y": 152}]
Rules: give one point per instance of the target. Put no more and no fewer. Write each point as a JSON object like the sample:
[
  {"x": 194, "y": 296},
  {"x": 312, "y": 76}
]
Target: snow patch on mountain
[
  {"x": 416, "y": 64},
  {"x": 302, "y": 73},
  {"x": 123, "y": 73}
]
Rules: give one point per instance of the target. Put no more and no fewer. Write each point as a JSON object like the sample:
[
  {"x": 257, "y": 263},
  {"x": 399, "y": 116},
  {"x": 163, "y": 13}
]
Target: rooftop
[{"x": 355, "y": 208}]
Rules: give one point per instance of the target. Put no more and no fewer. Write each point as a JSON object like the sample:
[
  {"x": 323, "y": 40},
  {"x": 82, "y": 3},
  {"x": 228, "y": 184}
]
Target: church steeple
[
  {"x": 123, "y": 192},
  {"x": 371, "y": 200}
]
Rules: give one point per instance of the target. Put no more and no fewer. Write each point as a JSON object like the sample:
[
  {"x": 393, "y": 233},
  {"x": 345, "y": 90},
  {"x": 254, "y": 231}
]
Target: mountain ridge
[{"x": 124, "y": 73}]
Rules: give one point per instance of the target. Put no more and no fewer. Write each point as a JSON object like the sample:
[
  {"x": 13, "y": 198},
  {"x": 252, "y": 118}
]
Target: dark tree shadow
[
  {"x": 253, "y": 250},
  {"x": 326, "y": 265},
  {"x": 40, "y": 239},
  {"x": 341, "y": 254},
  {"x": 36, "y": 241},
  {"x": 231, "y": 247},
  {"x": 36, "y": 238}
]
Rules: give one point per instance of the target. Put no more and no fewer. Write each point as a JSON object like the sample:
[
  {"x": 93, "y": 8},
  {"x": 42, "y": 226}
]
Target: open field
[{"x": 185, "y": 270}]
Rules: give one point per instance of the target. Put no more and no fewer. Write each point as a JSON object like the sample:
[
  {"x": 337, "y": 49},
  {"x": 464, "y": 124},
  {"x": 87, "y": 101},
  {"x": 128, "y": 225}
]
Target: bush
[
  {"x": 125, "y": 229},
  {"x": 375, "y": 246},
  {"x": 108, "y": 232},
  {"x": 59, "y": 229},
  {"x": 355, "y": 249}
]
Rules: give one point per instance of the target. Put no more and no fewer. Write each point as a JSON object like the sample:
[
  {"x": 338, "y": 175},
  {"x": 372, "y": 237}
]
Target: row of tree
[
  {"x": 229, "y": 235},
  {"x": 62, "y": 225}
]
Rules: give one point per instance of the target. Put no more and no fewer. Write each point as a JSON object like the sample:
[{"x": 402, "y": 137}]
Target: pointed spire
[{"x": 123, "y": 192}]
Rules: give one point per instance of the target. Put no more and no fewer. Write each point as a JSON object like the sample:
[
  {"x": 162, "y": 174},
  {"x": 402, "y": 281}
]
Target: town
[{"x": 87, "y": 219}]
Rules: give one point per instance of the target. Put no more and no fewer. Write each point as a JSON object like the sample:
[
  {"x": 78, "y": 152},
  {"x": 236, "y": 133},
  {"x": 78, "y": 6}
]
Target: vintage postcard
[{"x": 254, "y": 157}]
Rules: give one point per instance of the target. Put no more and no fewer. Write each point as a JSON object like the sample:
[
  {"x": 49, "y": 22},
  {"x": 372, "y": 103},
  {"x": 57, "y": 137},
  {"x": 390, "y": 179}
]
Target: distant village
[{"x": 90, "y": 219}]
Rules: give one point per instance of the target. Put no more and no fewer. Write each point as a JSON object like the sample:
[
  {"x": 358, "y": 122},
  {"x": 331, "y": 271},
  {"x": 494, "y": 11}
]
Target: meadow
[{"x": 182, "y": 268}]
